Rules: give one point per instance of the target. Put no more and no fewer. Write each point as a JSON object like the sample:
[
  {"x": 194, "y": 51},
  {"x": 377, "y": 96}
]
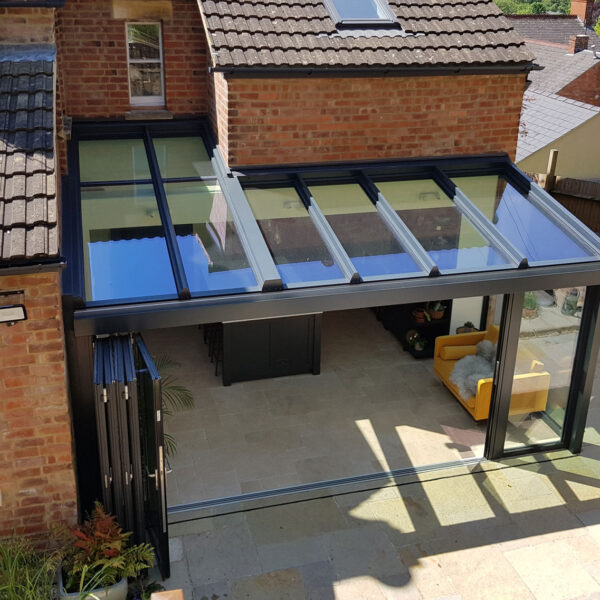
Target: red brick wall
[
  {"x": 92, "y": 57},
  {"x": 36, "y": 465},
  {"x": 26, "y": 25},
  {"x": 586, "y": 88},
  {"x": 318, "y": 119},
  {"x": 219, "y": 114}
]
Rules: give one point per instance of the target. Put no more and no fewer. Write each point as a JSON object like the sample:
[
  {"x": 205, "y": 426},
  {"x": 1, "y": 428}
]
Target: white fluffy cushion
[{"x": 469, "y": 370}]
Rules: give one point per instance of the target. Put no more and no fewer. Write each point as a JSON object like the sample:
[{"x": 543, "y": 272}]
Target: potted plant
[
  {"x": 467, "y": 327},
  {"x": 97, "y": 561},
  {"x": 420, "y": 315},
  {"x": 530, "y": 306},
  {"x": 436, "y": 311}
]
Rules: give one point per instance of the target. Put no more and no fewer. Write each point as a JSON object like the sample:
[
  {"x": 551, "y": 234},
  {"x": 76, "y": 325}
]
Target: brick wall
[
  {"x": 92, "y": 57},
  {"x": 36, "y": 465},
  {"x": 219, "y": 114},
  {"x": 318, "y": 119},
  {"x": 26, "y": 25},
  {"x": 586, "y": 88}
]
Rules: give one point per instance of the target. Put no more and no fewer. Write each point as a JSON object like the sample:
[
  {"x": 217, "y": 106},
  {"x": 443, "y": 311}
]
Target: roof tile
[
  {"x": 294, "y": 34},
  {"x": 28, "y": 205}
]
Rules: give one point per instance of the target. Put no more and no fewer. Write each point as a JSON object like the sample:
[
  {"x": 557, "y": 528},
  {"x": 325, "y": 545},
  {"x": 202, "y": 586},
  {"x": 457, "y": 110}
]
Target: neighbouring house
[
  {"x": 561, "y": 107},
  {"x": 270, "y": 170}
]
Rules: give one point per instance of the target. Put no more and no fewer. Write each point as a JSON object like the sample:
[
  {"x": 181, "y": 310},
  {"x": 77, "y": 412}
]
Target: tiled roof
[
  {"x": 560, "y": 67},
  {"x": 547, "y": 117},
  {"x": 293, "y": 34},
  {"x": 554, "y": 29},
  {"x": 28, "y": 206}
]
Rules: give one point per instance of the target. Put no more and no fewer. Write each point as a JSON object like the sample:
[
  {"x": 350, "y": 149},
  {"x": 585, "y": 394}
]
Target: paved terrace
[{"x": 522, "y": 528}]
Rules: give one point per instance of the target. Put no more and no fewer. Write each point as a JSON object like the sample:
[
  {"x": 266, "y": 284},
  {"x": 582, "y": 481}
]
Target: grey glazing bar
[
  {"x": 398, "y": 227},
  {"x": 564, "y": 219},
  {"x": 481, "y": 223},
  {"x": 326, "y": 232},
  {"x": 251, "y": 238},
  {"x": 183, "y": 289}
]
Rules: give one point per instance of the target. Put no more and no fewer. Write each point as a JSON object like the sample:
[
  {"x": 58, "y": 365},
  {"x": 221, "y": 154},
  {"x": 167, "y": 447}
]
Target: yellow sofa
[{"x": 530, "y": 390}]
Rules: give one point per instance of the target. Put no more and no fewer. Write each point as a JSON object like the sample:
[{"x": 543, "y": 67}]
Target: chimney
[
  {"x": 583, "y": 9},
  {"x": 577, "y": 43}
]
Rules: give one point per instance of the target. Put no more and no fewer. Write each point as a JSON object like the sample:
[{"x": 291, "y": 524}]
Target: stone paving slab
[{"x": 526, "y": 528}]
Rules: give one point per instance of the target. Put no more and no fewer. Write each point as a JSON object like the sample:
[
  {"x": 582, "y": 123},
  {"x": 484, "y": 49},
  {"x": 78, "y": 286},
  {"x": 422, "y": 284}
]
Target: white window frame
[{"x": 146, "y": 100}]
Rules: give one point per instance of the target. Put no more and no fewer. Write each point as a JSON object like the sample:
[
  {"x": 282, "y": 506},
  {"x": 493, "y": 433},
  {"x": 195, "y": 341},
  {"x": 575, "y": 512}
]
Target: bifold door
[{"x": 129, "y": 421}]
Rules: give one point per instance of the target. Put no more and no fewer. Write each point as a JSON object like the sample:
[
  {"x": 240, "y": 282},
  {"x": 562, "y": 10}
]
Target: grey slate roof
[
  {"x": 554, "y": 29},
  {"x": 560, "y": 67},
  {"x": 546, "y": 117},
  {"x": 293, "y": 34},
  {"x": 28, "y": 204}
]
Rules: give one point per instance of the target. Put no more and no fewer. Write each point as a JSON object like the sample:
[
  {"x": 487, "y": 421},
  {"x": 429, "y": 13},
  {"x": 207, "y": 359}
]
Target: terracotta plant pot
[
  {"x": 419, "y": 315},
  {"x": 436, "y": 314}
]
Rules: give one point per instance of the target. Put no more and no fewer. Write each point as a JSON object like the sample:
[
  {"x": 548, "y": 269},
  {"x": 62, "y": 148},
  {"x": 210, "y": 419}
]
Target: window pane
[
  {"x": 145, "y": 79},
  {"x": 143, "y": 41},
  {"x": 536, "y": 236},
  {"x": 360, "y": 9},
  {"x": 449, "y": 238},
  {"x": 113, "y": 160},
  {"x": 125, "y": 252},
  {"x": 212, "y": 254},
  {"x": 550, "y": 324},
  {"x": 296, "y": 247},
  {"x": 182, "y": 157},
  {"x": 369, "y": 243}
]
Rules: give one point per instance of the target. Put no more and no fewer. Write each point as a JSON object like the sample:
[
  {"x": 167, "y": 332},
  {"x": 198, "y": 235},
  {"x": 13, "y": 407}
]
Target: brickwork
[
  {"x": 92, "y": 57},
  {"x": 586, "y": 88},
  {"x": 36, "y": 464},
  {"x": 274, "y": 121},
  {"x": 26, "y": 25},
  {"x": 577, "y": 43},
  {"x": 219, "y": 113}
]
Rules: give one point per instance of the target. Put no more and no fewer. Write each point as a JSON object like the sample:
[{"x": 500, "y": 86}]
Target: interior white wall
[{"x": 465, "y": 309}]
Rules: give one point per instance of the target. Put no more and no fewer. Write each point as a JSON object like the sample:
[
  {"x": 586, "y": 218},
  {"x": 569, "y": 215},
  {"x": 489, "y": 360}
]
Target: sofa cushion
[{"x": 456, "y": 352}]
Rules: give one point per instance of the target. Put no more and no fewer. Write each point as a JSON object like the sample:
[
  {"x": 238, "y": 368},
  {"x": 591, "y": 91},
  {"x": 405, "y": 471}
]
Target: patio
[{"x": 373, "y": 408}]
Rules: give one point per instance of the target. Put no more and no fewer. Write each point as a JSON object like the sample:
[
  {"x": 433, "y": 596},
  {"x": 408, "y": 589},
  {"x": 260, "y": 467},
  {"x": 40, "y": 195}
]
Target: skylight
[{"x": 360, "y": 12}]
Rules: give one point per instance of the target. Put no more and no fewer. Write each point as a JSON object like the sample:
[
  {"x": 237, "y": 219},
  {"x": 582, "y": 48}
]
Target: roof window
[{"x": 360, "y": 12}]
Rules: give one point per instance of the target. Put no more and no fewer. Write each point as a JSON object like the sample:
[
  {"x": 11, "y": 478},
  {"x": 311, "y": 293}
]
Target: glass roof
[{"x": 162, "y": 218}]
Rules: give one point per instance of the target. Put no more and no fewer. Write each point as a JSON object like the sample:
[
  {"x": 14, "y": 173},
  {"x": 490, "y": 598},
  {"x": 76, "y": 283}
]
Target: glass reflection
[
  {"x": 447, "y": 236},
  {"x": 550, "y": 324},
  {"x": 182, "y": 157},
  {"x": 295, "y": 245},
  {"x": 125, "y": 253},
  {"x": 530, "y": 231},
  {"x": 113, "y": 160},
  {"x": 213, "y": 257},
  {"x": 357, "y": 224}
]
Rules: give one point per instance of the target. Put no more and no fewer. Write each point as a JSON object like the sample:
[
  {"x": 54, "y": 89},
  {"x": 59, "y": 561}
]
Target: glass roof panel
[
  {"x": 372, "y": 247},
  {"x": 297, "y": 249},
  {"x": 361, "y": 10},
  {"x": 182, "y": 157},
  {"x": 124, "y": 249},
  {"x": 530, "y": 231},
  {"x": 212, "y": 254},
  {"x": 448, "y": 237},
  {"x": 113, "y": 160}
]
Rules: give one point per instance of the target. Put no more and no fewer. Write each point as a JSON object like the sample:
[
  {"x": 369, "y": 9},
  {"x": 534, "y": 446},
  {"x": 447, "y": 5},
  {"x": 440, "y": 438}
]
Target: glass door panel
[{"x": 550, "y": 323}]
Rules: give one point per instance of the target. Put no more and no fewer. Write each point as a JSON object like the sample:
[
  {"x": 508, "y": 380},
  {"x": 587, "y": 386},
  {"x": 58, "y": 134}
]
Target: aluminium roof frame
[{"x": 286, "y": 302}]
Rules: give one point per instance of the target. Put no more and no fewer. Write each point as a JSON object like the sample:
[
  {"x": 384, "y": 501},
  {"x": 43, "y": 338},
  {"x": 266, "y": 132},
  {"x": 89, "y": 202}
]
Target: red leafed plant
[{"x": 96, "y": 551}]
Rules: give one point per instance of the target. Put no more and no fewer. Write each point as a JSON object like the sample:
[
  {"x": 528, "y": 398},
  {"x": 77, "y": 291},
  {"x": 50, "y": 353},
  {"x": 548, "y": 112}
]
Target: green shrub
[{"x": 26, "y": 574}]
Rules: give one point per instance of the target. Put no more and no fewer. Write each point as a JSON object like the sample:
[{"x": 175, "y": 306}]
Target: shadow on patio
[{"x": 524, "y": 528}]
